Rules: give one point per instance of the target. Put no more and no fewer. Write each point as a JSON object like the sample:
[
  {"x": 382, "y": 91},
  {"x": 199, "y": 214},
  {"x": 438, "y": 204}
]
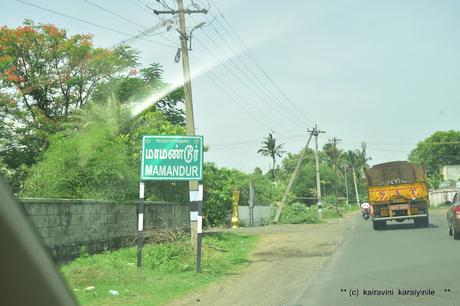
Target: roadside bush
[
  {"x": 93, "y": 164},
  {"x": 219, "y": 183},
  {"x": 218, "y": 187},
  {"x": 296, "y": 213}
]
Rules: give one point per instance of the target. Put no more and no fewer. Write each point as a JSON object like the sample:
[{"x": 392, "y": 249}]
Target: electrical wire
[
  {"x": 114, "y": 14},
  {"x": 270, "y": 93},
  {"x": 255, "y": 62},
  {"x": 142, "y": 7},
  {"x": 236, "y": 76},
  {"x": 260, "y": 85},
  {"x": 220, "y": 145},
  {"x": 92, "y": 23},
  {"x": 286, "y": 115},
  {"x": 213, "y": 77}
]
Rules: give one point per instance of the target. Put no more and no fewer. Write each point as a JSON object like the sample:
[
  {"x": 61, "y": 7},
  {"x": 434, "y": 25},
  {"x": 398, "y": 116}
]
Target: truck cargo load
[{"x": 397, "y": 191}]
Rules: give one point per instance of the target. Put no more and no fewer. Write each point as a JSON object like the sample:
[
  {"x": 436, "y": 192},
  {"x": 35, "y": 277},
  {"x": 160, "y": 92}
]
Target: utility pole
[
  {"x": 291, "y": 181},
  {"x": 315, "y": 132},
  {"x": 346, "y": 184},
  {"x": 251, "y": 203},
  {"x": 356, "y": 184},
  {"x": 190, "y": 123},
  {"x": 336, "y": 156}
]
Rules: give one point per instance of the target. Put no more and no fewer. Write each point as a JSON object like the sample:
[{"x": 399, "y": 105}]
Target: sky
[{"x": 382, "y": 72}]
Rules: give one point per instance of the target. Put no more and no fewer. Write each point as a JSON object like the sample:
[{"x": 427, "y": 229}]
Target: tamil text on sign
[{"x": 172, "y": 158}]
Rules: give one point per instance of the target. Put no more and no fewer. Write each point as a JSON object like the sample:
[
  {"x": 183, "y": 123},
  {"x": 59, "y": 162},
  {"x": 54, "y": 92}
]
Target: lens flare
[{"x": 139, "y": 106}]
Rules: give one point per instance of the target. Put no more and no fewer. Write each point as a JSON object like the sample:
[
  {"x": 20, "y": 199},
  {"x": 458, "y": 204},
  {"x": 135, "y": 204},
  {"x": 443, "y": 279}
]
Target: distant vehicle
[
  {"x": 365, "y": 209},
  {"x": 397, "y": 191},
  {"x": 366, "y": 214},
  {"x": 453, "y": 216}
]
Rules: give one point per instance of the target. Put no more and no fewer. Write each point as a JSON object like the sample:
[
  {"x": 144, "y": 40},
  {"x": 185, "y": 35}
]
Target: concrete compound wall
[
  {"x": 451, "y": 172},
  {"x": 440, "y": 197},
  {"x": 70, "y": 227},
  {"x": 261, "y": 215}
]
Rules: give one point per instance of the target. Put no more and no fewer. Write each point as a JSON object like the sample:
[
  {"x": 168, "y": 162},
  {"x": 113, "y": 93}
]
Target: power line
[
  {"x": 214, "y": 77},
  {"x": 147, "y": 31},
  {"x": 143, "y": 4},
  {"x": 142, "y": 7},
  {"x": 407, "y": 143},
  {"x": 90, "y": 23},
  {"x": 255, "y": 62},
  {"x": 114, "y": 14},
  {"x": 169, "y": 11},
  {"x": 261, "y": 86},
  {"x": 234, "y": 75},
  {"x": 271, "y": 94},
  {"x": 221, "y": 145},
  {"x": 145, "y": 7}
]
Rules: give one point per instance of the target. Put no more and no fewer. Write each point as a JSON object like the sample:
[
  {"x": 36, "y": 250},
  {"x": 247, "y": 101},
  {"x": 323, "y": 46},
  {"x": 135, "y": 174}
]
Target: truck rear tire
[
  {"x": 425, "y": 222},
  {"x": 456, "y": 235},
  {"x": 378, "y": 225},
  {"x": 375, "y": 225},
  {"x": 421, "y": 222}
]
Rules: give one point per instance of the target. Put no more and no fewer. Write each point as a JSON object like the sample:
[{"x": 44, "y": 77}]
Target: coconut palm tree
[
  {"x": 357, "y": 161},
  {"x": 271, "y": 149}
]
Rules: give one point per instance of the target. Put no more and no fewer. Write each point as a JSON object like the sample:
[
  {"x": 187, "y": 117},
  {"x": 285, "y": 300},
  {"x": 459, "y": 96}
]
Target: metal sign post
[
  {"x": 196, "y": 200},
  {"x": 140, "y": 224},
  {"x": 251, "y": 204}
]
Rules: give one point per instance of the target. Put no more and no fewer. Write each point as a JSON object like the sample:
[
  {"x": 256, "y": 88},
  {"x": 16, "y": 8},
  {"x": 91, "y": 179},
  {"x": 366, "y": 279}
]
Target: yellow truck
[{"x": 397, "y": 191}]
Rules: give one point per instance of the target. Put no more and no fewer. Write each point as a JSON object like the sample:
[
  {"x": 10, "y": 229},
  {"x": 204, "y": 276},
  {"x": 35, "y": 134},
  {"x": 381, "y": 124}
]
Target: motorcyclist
[{"x": 365, "y": 207}]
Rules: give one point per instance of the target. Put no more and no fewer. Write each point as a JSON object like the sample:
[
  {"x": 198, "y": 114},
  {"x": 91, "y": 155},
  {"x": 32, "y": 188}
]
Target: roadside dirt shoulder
[{"x": 287, "y": 258}]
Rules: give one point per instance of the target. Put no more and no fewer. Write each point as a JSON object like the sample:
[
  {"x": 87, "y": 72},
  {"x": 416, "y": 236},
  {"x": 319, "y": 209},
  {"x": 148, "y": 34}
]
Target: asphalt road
[{"x": 401, "y": 257}]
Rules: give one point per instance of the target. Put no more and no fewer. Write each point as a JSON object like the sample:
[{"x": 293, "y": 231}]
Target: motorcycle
[{"x": 366, "y": 214}]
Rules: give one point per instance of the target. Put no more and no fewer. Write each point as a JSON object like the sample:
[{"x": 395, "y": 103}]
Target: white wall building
[{"x": 451, "y": 172}]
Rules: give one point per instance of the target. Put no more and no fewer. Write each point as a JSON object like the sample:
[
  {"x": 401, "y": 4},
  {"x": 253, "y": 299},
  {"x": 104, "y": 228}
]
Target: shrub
[{"x": 295, "y": 213}]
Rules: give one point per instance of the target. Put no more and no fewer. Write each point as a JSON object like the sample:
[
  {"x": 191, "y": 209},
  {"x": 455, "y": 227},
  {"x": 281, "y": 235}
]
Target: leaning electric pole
[
  {"x": 315, "y": 132},
  {"x": 291, "y": 181},
  {"x": 195, "y": 209}
]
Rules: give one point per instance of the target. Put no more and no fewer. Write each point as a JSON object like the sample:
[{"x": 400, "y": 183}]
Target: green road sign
[{"x": 172, "y": 158}]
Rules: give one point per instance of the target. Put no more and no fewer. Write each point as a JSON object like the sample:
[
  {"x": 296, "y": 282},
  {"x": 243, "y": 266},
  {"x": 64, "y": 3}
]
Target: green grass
[{"x": 168, "y": 270}]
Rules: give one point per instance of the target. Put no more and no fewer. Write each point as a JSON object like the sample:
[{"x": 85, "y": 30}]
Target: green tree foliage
[
  {"x": 355, "y": 163},
  {"x": 305, "y": 184},
  {"x": 46, "y": 75},
  {"x": 219, "y": 184},
  {"x": 262, "y": 188},
  {"x": 296, "y": 213},
  {"x": 271, "y": 149},
  {"x": 99, "y": 156},
  {"x": 140, "y": 86},
  {"x": 439, "y": 149}
]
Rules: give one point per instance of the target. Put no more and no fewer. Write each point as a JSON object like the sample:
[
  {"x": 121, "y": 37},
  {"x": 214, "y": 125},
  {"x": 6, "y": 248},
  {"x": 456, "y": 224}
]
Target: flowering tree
[{"x": 45, "y": 75}]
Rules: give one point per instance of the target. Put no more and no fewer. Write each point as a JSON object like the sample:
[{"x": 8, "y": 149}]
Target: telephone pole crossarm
[{"x": 186, "y": 11}]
